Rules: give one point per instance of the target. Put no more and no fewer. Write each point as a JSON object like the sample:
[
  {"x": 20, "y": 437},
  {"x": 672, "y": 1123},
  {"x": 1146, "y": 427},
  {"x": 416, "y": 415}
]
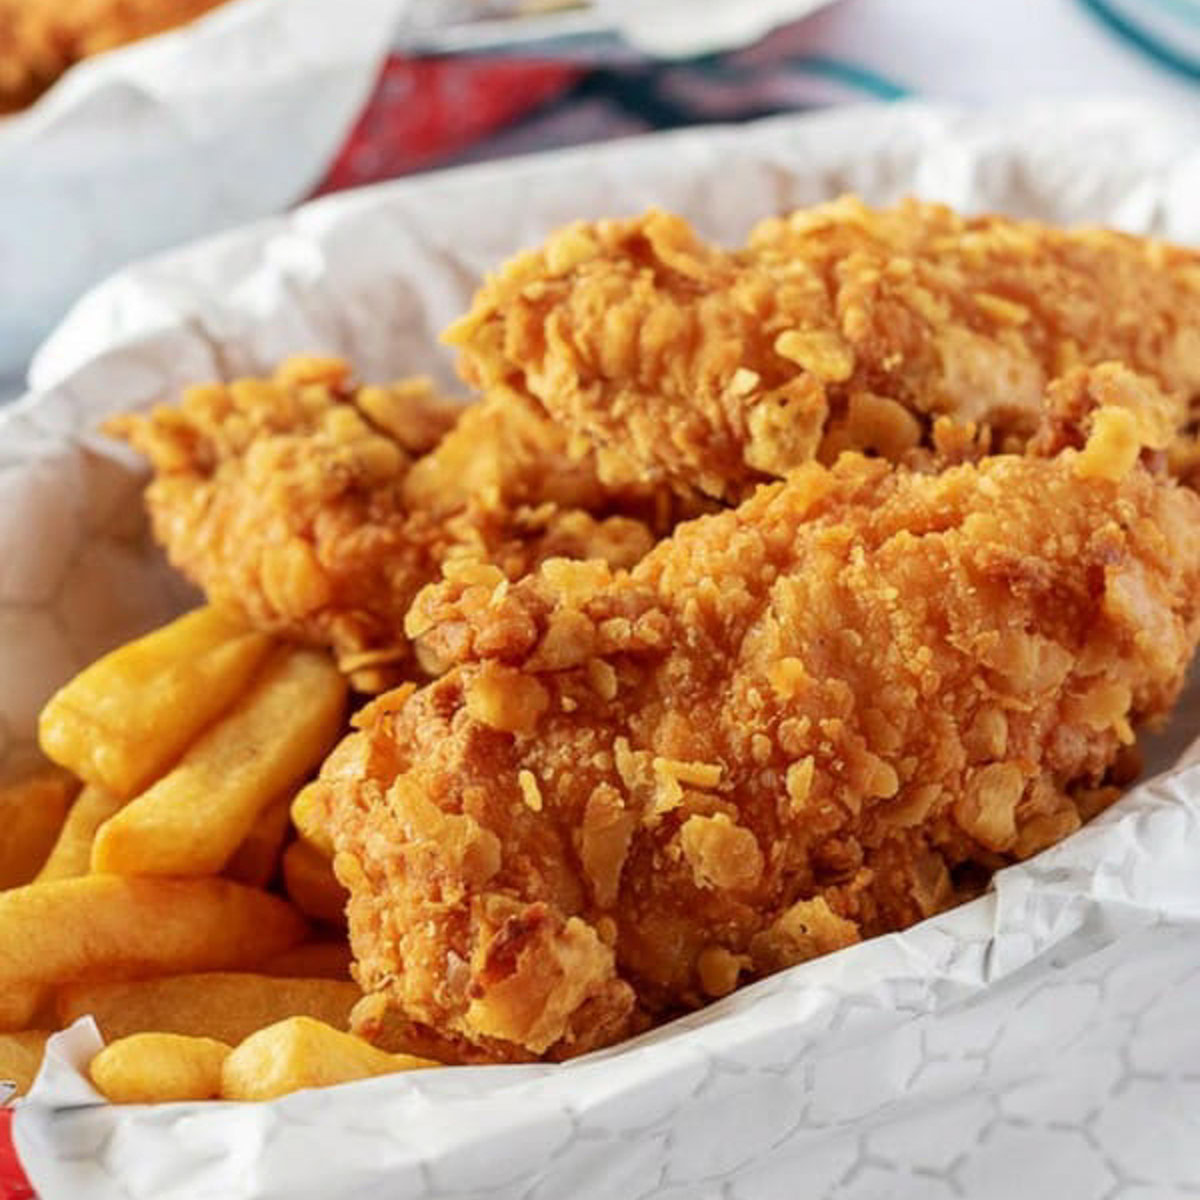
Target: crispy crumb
[
  {"x": 504, "y": 699},
  {"x": 530, "y": 792},
  {"x": 721, "y": 854},
  {"x": 718, "y": 970}
]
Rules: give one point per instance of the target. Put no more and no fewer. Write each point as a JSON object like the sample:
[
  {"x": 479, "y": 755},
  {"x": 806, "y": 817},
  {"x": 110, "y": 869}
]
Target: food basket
[{"x": 1037, "y": 1041}]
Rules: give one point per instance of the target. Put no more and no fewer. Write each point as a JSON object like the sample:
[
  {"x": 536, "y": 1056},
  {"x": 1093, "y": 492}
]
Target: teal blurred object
[{"x": 1165, "y": 31}]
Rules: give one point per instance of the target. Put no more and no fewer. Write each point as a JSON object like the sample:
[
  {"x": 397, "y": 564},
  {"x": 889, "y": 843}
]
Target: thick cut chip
[
  {"x": 313, "y": 960},
  {"x": 303, "y": 1053},
  {"x": 31, "y": 814},
  {"x": 311, "y": 884},
  {"x": 157, "y": 1068},
  {"x": 20, "y": 1004},
  {"x": 72, "y": 853},
  {"x": 193, "y": 819},
  {"x": 256, "y": 860},
  {"x": 226, "y": 1006},
  {"x": 122, "y": 721},
  {"x": 109, "y": 926}
]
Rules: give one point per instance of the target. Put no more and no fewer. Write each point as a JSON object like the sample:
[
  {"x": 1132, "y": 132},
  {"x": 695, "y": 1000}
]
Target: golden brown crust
[
  {"x": 42, "y": 39},
  {"x": 839, "y": 327},
  {"x": 820, "y": 716},
  {"x": 318, "y": 508}
]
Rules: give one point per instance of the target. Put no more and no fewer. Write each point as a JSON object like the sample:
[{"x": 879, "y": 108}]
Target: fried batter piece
[
  {"x": 838, "y": 327},
  {"x": 504, "y": 452},
  {"x": 41, "y": 39},
  {"x": 821, "y": 716},
  {"x": 319, "y": 509}
]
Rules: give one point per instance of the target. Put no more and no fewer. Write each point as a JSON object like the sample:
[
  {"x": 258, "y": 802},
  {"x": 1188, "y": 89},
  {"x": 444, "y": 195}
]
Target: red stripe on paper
[{"x": 13, "y": 1183}]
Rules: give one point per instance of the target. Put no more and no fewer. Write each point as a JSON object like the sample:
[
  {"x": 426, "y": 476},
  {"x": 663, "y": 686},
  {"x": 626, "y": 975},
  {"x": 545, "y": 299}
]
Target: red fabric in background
[
  {"x": 426, "y": 110},
  {"x": 13, "y": 1184}
]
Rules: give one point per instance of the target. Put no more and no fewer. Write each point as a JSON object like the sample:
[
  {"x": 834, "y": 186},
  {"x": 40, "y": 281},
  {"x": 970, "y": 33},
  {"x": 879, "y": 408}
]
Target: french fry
[
  {"x": 312, "y": 960},
  {"x": 228, "y": 1007},
  {"x": 21, "y": 1057},
  {"x": 72, "y": 853},
  {"x": 303, "y": 1053},
  {"x": 310, "y": 815},
  {"x": 122, "y": 721},
  {"x": 106, "y": 926},
  {"x": 311, "y": 885},
  {"x": 256, "y": 860},
  {"x": 191, "y": 821},
  {"x": 20, "y": 1004},
  {"x": 31, "y": 814},
  {"x": 156, "y": 1068}
]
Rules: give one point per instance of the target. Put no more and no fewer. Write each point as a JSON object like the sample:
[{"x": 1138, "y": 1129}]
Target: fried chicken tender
[
  {"x": 818, "y": 717},
  {"x": 41, "y": 39},
  {"x": 319, "y": 509},
  {"x": 838, "y": 327}
]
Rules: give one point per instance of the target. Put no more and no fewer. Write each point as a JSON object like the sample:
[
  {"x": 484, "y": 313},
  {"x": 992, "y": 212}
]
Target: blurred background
[
  {"x": 498, "y": 87},
  {"x": 235, "y": 110}
]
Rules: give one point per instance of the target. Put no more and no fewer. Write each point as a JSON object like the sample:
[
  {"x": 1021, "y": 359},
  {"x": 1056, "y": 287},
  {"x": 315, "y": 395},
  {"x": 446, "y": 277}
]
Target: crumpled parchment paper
[{"x": 1038, "y": 1042}]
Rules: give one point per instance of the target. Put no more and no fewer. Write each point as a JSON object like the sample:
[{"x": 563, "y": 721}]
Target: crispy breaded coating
[
  {"x": 1086, "y": 401},
  {"x": 504, "y": 452},
  {"x": 312, "y": 505},
  {"x": 838, "y": 327},
  {"x": 818, "y": 717},
  {"x": 41, "y": 39}
]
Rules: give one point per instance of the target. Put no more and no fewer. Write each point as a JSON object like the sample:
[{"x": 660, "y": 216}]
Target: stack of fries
[{"x": 170, "y": 877}]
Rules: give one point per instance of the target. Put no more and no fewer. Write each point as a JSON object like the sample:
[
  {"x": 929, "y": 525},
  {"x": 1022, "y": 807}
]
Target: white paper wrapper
[
  {"x": 664, "y": 29},
  {"x": 230, "y": 118},
  {"x": 1038, "y": 1042},
  {"x": 670, "y": 28}
]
